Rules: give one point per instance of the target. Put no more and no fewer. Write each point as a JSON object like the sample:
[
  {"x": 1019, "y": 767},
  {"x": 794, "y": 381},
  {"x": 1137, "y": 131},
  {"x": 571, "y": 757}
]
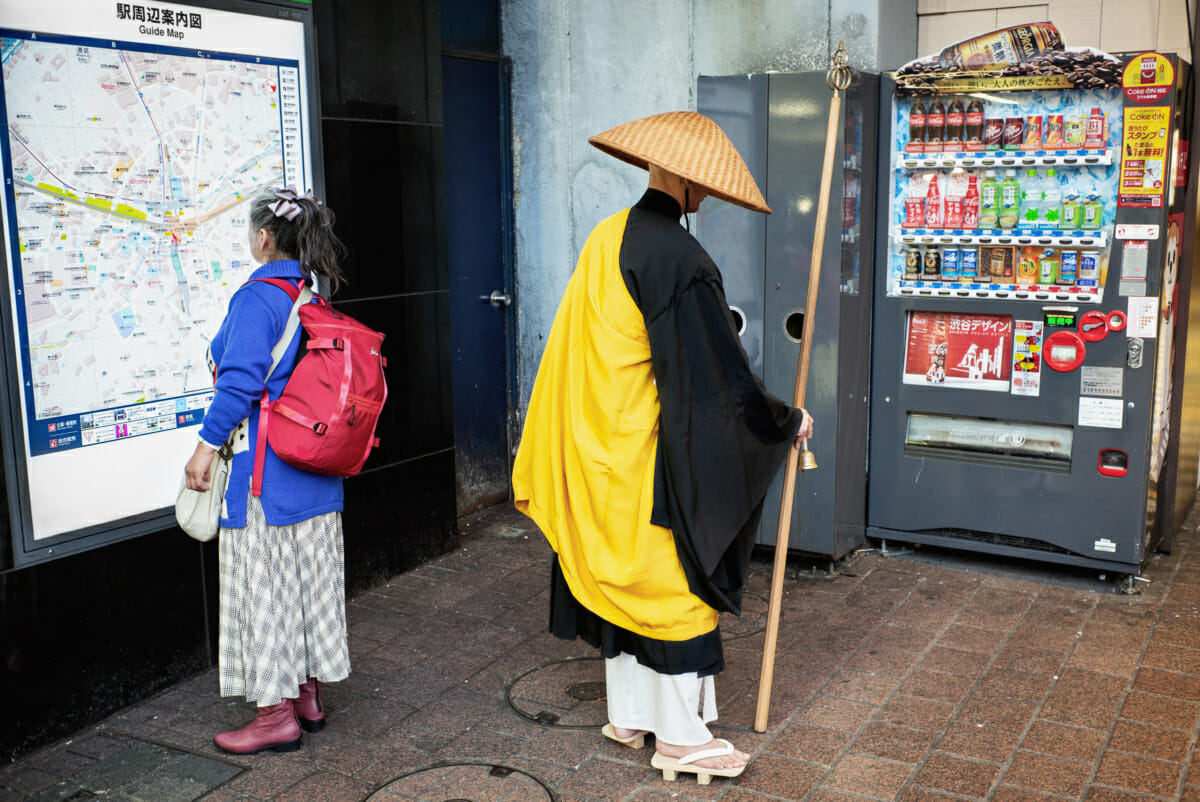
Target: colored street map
[{"x": 130, "y": 174}]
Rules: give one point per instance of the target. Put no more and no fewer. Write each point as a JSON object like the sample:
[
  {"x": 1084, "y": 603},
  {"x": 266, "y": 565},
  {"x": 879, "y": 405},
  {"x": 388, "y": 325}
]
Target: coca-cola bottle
[
  {"x": 971, "y": 205},
  {"x": 935, "y": 126},
  {"x": 916, "y": 128},
  {"x": 955, "y": 120},
  {"x": 973, "y": 126},
  {"x": 933, "y": 204}
]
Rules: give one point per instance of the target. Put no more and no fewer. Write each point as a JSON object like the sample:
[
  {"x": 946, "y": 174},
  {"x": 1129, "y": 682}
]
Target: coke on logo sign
[{"x": 1149, "y": 69}]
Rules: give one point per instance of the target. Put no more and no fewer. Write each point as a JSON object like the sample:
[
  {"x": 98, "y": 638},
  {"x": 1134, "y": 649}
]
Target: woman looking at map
[{"x": 282, "y": 584}]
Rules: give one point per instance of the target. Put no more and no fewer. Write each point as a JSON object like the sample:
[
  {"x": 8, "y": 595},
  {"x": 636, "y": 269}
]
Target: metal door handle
[{"x": 498, "y": 298}]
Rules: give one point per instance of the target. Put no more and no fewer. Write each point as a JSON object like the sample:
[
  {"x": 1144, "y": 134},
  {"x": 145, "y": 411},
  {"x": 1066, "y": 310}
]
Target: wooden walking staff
[{"x": 838, "y": 79}]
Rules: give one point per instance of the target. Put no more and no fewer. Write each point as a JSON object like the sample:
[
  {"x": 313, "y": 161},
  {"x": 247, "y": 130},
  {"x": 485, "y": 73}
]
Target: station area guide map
[{"x": 129, "y": 169}]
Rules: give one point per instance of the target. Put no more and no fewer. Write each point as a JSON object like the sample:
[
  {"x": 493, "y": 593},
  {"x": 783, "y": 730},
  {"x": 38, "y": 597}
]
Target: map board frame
[{"x": 130, "y": 481}]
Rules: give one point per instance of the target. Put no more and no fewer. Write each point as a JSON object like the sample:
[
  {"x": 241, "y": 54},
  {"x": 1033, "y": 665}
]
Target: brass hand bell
[{"x": 806, "y": 461}]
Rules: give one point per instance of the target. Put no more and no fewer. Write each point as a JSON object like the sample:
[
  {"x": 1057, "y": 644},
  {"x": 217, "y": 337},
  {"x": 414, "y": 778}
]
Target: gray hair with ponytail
[{"x": 302, "y": 228}]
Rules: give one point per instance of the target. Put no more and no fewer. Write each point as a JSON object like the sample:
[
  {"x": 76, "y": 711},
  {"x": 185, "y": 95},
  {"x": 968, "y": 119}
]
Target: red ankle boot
[
  {"x": 309, "y": 709},
  {"x": 274, "y": 727}
]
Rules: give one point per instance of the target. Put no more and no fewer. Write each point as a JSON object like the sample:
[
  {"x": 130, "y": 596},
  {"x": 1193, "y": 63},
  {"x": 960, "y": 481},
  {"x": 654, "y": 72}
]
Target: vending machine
[
  {"x": 1025, "y": 309},
  {"x": 778, "y": 123}
]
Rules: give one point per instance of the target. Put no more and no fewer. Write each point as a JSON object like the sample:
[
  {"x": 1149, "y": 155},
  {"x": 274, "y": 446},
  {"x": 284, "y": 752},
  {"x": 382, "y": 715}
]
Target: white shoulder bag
[{"x": 198, "y": 512}]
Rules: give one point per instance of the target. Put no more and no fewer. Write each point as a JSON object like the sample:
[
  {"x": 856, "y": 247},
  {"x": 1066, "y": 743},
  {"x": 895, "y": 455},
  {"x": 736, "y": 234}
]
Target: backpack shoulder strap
[{"x": 300, "y": 294}]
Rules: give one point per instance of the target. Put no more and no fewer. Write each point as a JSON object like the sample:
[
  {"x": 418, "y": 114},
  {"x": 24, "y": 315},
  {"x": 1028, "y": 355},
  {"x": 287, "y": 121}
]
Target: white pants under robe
[{"x": 675, "y": 707}]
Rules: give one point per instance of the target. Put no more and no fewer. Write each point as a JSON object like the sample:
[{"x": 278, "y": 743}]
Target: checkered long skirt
[{"x": 283, "y": 606}]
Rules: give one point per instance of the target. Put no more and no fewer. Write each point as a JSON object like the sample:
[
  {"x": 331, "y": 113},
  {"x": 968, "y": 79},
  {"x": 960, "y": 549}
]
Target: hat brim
[
  {"x": 690, "y": 145},
  {"x": 645, "y": 162}
]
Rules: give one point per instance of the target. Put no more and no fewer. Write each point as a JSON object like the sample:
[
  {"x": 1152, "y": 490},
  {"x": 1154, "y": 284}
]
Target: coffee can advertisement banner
[
  {"x": 1145, "y": 143},
  {"x": 1148, "y": 78},
  {"x": 961, "y": 350}
]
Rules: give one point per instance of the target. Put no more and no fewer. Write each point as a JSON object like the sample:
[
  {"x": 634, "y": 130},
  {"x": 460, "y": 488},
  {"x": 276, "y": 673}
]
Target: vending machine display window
[
  {"x": 1020, "y": 208},
  {"x": 1030, "y": 445}
]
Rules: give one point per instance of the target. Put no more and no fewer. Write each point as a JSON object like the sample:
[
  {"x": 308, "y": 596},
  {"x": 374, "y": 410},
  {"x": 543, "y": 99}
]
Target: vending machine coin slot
[
  {"x": 1117, "y": 320},
  {"x": 1113, "y": 462}
]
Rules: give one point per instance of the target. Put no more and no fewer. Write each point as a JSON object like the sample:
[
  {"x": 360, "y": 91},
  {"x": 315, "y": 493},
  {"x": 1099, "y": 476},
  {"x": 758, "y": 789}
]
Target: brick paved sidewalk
[{"x": 896, "y": 679}]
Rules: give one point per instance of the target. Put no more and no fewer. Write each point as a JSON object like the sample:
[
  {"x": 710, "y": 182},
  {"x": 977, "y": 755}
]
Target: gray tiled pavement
[{"x": 897, "y": 678}]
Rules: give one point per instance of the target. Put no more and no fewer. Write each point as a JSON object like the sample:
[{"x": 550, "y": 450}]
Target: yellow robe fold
[{"x": 584, "y": 471}]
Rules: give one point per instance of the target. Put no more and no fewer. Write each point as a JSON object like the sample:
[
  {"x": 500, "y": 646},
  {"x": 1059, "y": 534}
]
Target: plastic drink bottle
[
  {"x": 1010, "y": 200},
  {"x": 1071, "y": 213},
  {"x": 933, "y": 204},
  {"x": 1094, "y": 136},
  {"x": 1068, "y": 268},
  {"x": 935, "y": 126},
  {"x": 955, "y": 123},
  {"x": 989, "y": 200},
  {"x": 916, "y": 128},
  {"x": 1051, "y": 212},
  {"x": 914, "y": 208},
  {"x": 1093, "y": 213},
  {"x": 1031, "y": 200},
  {"x": 971, "y": 206}
]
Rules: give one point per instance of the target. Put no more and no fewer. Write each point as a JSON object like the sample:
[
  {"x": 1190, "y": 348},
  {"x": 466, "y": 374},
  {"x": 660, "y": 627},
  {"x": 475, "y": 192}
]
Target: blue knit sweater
[{"x": 256, "y": 319}]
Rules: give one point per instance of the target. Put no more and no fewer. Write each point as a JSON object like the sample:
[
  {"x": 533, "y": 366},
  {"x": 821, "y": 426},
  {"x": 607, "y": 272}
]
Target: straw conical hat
[{"x": 691, "y": 146}]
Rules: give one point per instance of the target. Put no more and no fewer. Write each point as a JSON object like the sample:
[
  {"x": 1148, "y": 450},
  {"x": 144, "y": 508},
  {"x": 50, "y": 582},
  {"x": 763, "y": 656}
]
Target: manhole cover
[
  {"x": 566, "y": 693},
  {"x": 135, "y": 769},
  {"x": 752, "y": 620},
  {"x": 465, "y": 782}
]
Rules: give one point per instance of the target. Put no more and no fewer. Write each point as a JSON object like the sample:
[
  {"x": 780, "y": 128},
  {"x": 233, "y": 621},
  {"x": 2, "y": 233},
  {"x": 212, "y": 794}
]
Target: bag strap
[{"x": 300, "y": 294}]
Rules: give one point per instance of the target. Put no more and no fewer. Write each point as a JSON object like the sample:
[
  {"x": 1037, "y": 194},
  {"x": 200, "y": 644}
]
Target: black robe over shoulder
[{"x": 722, "y": 436}]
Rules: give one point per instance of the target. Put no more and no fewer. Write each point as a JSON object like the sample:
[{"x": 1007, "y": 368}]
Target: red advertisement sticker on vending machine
[{"x": 963, "y": 350}]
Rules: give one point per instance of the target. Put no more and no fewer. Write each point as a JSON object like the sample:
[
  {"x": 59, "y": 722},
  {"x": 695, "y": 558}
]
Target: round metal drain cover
[
  {"x": 752, "y": 620},
  {"x": 566, "y": 693},
  {"x": 464, "y": 782}
]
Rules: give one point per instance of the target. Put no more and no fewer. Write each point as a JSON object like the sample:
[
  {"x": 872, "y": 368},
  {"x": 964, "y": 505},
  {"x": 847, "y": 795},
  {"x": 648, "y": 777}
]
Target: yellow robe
[{"x": 584, "y": 471}]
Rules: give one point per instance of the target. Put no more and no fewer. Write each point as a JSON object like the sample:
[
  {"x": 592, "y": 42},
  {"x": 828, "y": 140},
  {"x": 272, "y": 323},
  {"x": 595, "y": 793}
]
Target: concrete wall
[
  {"x": 582, "y": 66},
  {"x": 1111, "y": 25}
]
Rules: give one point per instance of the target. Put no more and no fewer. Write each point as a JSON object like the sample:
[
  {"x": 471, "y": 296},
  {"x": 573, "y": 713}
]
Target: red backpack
[{"x": 324, "y": 420}]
